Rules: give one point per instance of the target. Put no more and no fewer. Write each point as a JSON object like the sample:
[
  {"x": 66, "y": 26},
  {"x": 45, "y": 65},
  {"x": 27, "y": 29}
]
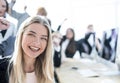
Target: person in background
[
  {"x": 7, "y": 33},
  {"x": 68, "y": 44},
  {"x": 32, "y": 60},
  {"x": 43, "y": 12},
  {"x": 56, "y": 39},
  {"x": 17, "y": 15},
  {"x": 92, "y": 39},
  {"x": 4, "y": 24},
  {"x": 86, "y": 44}
]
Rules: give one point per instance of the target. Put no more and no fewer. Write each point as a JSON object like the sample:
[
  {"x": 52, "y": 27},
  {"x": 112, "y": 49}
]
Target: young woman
[
  {"x": 56, "y": 38},
  {"x": 32, "y": 60},
  {"x": 6, "y": 33},
  {"x": 68, "y": 44}
]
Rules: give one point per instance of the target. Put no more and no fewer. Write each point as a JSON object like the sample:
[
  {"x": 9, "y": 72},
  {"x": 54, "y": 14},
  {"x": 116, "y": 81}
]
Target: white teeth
[{"x": 34, "y": 48}]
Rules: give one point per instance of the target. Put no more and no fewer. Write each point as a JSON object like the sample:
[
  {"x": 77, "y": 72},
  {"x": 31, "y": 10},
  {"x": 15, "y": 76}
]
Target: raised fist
[{"x": 4, "y": 24}]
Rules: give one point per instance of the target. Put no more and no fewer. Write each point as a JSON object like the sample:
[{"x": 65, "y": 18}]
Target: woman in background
[
  {"x": 56, "y": 39},
  {"x": 6, "y": 34},
  {"x": 68, "y": 44}
]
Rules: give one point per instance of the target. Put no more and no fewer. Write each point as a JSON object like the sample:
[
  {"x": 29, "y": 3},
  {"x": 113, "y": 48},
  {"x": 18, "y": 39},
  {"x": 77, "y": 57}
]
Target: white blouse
[
  {"x": 64, "y": 46},
  {"x": 31, "y": 78}
]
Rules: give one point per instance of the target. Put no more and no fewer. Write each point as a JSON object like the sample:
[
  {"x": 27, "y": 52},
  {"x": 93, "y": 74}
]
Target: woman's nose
[{"x": 37, "y": 41}]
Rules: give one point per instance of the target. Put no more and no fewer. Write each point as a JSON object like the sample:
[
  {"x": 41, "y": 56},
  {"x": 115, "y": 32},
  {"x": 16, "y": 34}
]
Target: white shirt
[
  {"x": 64, "y": 46},
  {"x": 31, "y": 78}
]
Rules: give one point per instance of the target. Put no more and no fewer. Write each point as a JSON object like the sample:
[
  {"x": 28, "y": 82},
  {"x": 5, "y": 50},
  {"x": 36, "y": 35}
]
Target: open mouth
[{"x": 34, "y": 49}]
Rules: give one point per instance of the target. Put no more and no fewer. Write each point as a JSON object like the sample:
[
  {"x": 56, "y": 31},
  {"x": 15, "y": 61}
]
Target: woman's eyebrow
[
  {"x": 32, "y": 32},
  {"x": 41, "y": 35}
]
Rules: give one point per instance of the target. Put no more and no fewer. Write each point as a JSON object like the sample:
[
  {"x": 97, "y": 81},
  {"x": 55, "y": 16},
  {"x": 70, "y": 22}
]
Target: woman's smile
[{"x": 34, "y": 49}]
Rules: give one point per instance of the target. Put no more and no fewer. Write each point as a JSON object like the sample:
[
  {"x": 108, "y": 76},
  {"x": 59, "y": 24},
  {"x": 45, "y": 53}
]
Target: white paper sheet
[{"x": 88, "y": 73}]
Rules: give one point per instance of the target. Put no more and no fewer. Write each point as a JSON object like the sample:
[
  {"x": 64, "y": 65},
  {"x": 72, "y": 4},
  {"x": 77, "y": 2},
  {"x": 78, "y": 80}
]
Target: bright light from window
[{"x": 103, "y": 14}]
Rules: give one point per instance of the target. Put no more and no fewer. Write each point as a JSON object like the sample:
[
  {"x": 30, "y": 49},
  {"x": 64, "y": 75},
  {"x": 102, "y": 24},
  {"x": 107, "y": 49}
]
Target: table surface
[{"x": 86, "y": 71}]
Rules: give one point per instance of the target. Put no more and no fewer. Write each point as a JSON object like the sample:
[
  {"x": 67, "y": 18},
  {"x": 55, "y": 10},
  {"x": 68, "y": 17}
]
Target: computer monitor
[
  {"x": 118, "y": 51},
  {"x": 109, "y": 44}
]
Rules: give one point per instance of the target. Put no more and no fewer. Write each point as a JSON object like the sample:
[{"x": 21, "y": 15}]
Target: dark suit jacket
[
  {"x": 57, "y": 59},
  {"x": 84, "y": 41},
  {"x": 72, "y": 45},
  {"x": 7, "y": 47},
  {"x": 4, "y": 70}
]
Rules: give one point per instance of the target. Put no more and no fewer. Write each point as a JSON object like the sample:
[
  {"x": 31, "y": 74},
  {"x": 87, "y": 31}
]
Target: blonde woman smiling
[{"x": 32, "y": 61}]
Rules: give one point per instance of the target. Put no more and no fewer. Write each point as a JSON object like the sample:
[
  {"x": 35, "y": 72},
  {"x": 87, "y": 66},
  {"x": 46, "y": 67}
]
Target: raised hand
[{"x": 4, "y": 24}]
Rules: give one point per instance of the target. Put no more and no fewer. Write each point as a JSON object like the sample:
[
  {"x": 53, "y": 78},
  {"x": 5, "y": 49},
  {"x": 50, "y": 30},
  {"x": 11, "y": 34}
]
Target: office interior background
[{"x": 103, "y": 14}]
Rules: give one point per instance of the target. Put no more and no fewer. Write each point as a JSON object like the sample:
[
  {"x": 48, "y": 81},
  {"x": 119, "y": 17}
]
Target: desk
[{"x": 69, "y": 72}]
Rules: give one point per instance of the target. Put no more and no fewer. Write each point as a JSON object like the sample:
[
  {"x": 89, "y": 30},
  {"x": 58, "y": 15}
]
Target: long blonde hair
[{"x": 44, "y": 63}]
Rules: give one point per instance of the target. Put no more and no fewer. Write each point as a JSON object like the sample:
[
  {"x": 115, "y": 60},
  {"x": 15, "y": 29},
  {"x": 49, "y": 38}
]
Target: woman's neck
[{"x": 29, "y": 65}]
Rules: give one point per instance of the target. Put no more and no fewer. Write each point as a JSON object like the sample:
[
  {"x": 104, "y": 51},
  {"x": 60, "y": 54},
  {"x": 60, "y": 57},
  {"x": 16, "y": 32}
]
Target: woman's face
[
  {"x": 56, "y": 39},
  {"x": 69, "y": 34},
  {"x": 2, "y": 8},
  {"x": 34, "y": 40}
]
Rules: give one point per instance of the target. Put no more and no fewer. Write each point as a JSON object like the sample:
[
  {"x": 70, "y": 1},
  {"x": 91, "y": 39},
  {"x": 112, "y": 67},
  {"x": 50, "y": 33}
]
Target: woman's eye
[
  {"x": 44, "y": 39},
  {"x": 32, "y": 35}
]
